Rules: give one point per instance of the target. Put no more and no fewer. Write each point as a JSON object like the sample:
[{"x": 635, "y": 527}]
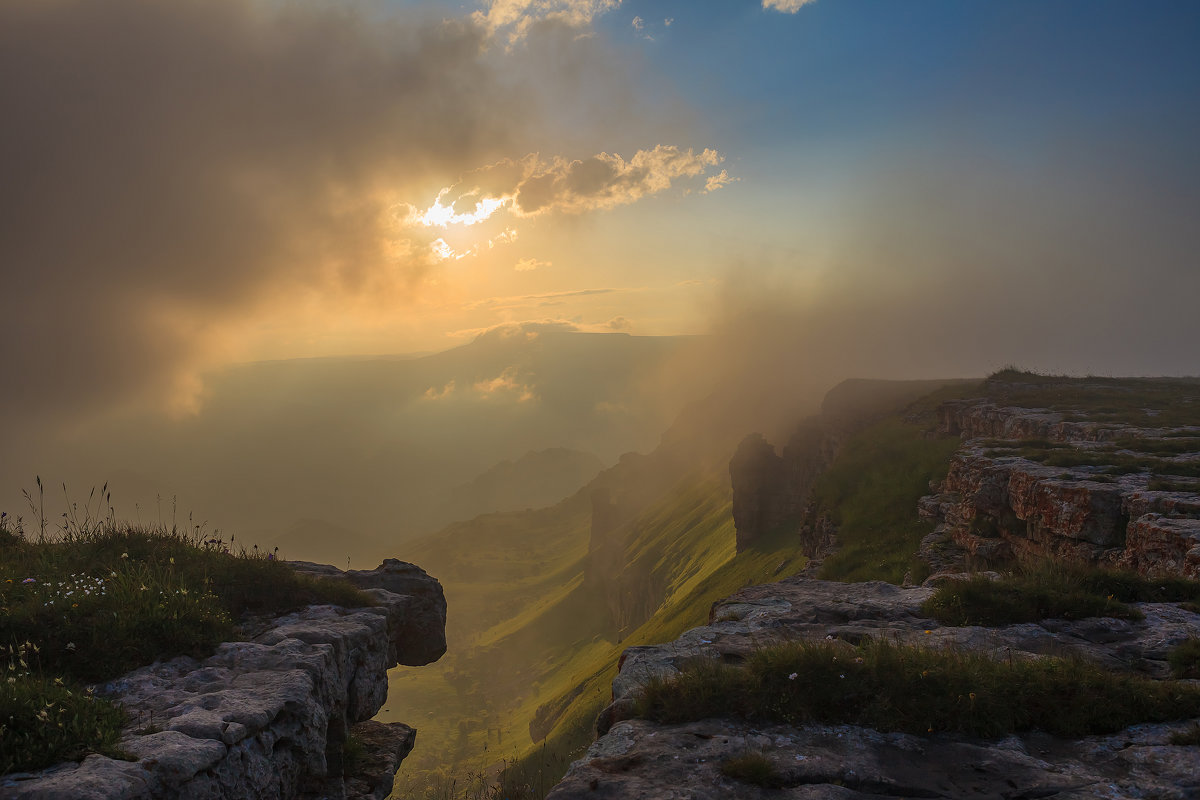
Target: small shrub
[
  {"x": 1184, "y": 658},
  {"x": 753, "y": 768}
]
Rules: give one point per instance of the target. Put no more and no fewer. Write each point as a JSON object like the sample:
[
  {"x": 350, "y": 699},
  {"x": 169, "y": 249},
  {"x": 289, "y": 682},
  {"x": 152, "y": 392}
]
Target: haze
[{"x": 223, "y": 222}]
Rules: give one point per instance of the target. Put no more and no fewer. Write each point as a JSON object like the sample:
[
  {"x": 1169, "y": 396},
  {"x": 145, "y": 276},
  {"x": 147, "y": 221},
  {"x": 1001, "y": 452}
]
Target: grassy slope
[
  {"x": 525, "y": 632},
  {"x": 550, "y": 643}
]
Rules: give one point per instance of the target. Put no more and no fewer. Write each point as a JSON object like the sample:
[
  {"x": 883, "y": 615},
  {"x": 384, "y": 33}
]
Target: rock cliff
[
  {"x": 771, "y": 490},
  {"x": 638, "y": 758},
  {"x": 268, "y": 717},
  {"x": 1027, "y": 484}
]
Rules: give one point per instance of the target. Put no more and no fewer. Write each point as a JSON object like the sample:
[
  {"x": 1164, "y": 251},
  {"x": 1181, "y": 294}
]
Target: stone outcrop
[
  {"x": 771, "y": 490},
  {"x": 267, "y": 717},
  {"x": 638, "y": 758},
  {"x": 999, "y": 506}
]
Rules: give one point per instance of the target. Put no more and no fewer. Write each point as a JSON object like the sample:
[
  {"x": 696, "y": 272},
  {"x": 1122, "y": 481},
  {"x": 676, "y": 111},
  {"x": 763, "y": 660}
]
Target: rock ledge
[{"x": 266, "y": 718}]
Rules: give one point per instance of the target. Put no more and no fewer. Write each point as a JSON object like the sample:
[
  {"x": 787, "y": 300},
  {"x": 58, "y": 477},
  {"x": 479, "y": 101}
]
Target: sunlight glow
[{"x": 444, "y": 216}]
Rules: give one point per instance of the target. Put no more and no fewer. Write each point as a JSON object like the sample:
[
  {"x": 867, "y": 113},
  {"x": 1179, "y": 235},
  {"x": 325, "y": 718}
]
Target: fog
[{"x": 187, "y": 187}]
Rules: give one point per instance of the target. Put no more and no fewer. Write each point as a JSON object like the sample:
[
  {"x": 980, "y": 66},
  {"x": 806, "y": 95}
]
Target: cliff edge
[
  {"x": 268, "y": 717},
  {"x": 640, "y": 758}
]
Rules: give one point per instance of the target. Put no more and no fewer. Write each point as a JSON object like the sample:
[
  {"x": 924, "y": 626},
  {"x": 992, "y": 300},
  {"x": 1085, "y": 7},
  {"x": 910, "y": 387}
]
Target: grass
[
  {"x": 103, "y": 598},
  {"x": 871, "y": 493},
  {"x": 1184, "y": 658},
  {"x": 753, "y": 768},
  {"x": 916, "y": 690},
  {"x": 1047, "y": 590}
]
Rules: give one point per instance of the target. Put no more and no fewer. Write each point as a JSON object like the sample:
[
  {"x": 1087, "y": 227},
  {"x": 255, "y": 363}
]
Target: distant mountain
[
  {"x": 376, "y": 445},
  {"x": 534, "y": 480}
]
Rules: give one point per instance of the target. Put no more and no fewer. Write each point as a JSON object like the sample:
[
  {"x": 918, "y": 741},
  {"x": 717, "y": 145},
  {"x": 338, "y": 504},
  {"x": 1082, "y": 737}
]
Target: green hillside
[
  {"x": 533, "y": 638},
  {"x": 527, "y": 634}
]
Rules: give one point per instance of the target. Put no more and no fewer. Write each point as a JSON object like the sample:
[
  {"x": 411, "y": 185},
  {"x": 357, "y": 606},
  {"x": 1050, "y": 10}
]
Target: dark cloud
[{"x": 167, "y": 167}]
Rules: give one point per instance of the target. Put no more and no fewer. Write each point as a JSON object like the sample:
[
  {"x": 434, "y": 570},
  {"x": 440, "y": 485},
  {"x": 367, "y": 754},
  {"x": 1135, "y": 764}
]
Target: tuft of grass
[
  {"x": 871, "y": 493},
  {"x": 44, "y": 721},
  {"x": 1184, "y": 658},
  {"x": 106, "y": 597},
  {"x": 753, "y": 768},
  {"x": 917, "y": 690},
  {"x": 1048, "y": 590}
]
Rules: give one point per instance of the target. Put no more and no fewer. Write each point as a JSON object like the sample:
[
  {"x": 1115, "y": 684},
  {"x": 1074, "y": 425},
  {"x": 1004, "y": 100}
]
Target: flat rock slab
[{"x": 641, "y": 759}]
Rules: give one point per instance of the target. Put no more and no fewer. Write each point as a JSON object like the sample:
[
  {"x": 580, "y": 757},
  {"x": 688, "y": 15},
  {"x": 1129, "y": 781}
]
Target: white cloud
[
  {"x": 715, "y": 182},
  {"x": 530, "y": 264},
  {"x": 507, "y": 385},
  {"x": 515, "y": 17},
  {"x": 786, "y": 6},
  {"x": 434, "y": 393},
  {"x": 532, "y": 186},
  {"x": 638, "y": 23}
]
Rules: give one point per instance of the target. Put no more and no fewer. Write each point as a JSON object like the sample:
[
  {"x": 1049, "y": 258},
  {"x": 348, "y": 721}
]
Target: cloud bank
[
  {"x": 169, "y": 168},
  {"x": 532, "y": 186}
]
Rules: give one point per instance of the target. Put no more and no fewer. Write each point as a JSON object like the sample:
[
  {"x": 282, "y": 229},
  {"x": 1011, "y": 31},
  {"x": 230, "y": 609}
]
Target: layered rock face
[
  {"x": 267, "y": 717},
  {"x": 998, "y": 503},
  {"x": 642, "y": 759}
]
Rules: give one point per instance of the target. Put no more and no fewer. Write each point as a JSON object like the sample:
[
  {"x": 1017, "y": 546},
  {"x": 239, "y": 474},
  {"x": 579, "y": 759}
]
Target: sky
[{"x": 855, "y": 186}]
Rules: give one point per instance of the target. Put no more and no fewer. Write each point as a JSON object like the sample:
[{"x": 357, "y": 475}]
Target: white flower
[{"x": 793, "y": 676}]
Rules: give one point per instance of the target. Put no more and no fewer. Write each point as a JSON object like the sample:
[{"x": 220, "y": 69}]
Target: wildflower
[
  {"x": 71, "y": 646},
  {"x": 928, "y": 632},
  {"x": 124, "y": 555},
  {"x": 171, "y": 559},
  {"x": 29, "y": 580},
  {"x": 858, "y": 660},
  {"x": 793, "y": 676}
]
